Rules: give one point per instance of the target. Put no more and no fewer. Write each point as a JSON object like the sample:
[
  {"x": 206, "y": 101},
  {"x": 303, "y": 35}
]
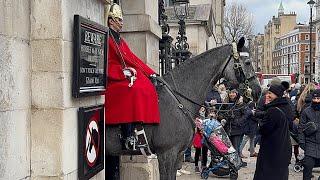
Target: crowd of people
[{"x": 285, "y": 117}]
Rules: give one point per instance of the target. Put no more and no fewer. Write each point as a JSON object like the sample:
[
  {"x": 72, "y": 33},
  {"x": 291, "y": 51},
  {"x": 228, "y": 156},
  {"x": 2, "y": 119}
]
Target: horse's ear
[{"x": 241, "y": 43}]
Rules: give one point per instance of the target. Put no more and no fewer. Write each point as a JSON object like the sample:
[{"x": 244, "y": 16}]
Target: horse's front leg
[{"x": 167, "y": 164}]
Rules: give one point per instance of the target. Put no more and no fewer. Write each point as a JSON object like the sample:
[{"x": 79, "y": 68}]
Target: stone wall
[
  {"x": 38, "y": 116},
  {"x": 54, "y": 150},
  {"x": 141, "y": 30},
  {"x": 15, "y": 89}
]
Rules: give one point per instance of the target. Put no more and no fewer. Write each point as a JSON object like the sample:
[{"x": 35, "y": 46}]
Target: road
[{"x": 244, "y": 173}]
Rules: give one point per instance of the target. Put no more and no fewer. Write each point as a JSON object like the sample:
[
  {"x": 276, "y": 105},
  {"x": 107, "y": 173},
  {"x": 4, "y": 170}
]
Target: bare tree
[{"x": 238, "y": 22}]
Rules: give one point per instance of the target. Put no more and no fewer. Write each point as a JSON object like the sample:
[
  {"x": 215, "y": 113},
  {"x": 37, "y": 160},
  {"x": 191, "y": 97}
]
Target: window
[
  {"x": 307, "y": 36},
  {"x": 307, "y": 48},
  {"x": 168, "y": 2},
  {"x": 306, "y": 58}
]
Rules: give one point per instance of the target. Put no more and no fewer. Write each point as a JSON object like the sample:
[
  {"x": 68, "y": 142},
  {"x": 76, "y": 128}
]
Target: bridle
[{"x": 242, "y": 78}]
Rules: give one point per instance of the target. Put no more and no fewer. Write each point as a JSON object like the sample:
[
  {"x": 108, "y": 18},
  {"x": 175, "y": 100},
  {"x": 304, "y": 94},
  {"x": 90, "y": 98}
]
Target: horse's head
[{"x": 240, "y": 74}]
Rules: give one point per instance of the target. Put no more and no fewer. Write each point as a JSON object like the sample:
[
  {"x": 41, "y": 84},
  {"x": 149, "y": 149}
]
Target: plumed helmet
[{"x": 115, "y": 11}]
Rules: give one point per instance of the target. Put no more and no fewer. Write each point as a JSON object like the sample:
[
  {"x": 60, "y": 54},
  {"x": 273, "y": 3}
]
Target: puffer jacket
[
  {"x": 236, "y": 115},
  {"x": 311, "y": 143}
]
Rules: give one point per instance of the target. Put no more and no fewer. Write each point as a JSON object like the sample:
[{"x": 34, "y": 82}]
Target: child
[{"x": 197, "y": 143}]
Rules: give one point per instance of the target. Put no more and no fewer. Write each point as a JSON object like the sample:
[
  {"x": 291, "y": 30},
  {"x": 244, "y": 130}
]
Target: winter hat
[
  {"x": 297, "y": 86},
  {"x": 278, "y": 89},
  {"x": 316, "y": 93}
]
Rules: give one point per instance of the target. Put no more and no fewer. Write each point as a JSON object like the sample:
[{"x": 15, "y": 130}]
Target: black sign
[
  {"x": 90, "y": 55},
  {"x": 91, "y": 141}
]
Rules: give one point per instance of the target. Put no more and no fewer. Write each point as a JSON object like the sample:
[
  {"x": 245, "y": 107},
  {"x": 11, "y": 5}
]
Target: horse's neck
[{"x": 193, "y": 77}]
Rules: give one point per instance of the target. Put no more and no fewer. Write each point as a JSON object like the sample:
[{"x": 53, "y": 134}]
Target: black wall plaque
[
  {"x": 91, "y": 141},
  {"x": 90, "y": 57}
]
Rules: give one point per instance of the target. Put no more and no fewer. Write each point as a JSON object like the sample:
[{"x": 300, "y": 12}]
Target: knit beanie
[
  {"x": 278, "y": 89},
  {"x": 316, "y": 93}
]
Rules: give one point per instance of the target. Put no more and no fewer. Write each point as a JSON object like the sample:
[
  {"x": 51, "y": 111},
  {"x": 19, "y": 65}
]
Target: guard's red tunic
[{"x": 124, "y": 104}]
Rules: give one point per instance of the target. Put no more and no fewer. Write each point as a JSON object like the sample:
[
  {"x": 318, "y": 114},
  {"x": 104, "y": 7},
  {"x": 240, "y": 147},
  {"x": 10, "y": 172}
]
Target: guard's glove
[
  {"x": 223, "y": 122},
  {"x": 153, "y": 79}
]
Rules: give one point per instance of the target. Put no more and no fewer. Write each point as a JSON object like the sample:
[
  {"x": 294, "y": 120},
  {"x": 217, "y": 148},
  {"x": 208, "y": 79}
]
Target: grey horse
[{"x": 193, "y": 79}]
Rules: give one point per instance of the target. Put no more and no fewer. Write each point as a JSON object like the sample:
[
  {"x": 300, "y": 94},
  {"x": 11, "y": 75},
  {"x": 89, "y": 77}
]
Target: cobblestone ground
[{"x": 244, "y": 173}]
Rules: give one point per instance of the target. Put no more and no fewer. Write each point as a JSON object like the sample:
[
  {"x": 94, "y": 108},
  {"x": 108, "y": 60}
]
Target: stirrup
[
  {"x": 130, "y": 143},
  {"x": 143, "y": 147}
]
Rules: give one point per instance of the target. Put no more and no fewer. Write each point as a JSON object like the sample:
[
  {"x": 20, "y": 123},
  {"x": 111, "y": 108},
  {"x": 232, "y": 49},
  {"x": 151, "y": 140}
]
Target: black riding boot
[{"x": 127, "y": 131}]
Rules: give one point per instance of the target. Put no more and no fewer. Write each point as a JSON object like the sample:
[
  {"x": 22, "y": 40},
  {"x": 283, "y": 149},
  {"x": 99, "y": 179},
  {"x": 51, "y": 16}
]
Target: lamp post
[
  {"x": 165, "y": 48},
  {"x": 311, "y": 4},
  {"x": 181, "y": 10}
]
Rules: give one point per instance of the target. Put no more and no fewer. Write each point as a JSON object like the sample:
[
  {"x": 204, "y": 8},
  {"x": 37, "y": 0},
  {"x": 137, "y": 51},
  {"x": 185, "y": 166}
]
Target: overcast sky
[{"x": 263, "y": 10}]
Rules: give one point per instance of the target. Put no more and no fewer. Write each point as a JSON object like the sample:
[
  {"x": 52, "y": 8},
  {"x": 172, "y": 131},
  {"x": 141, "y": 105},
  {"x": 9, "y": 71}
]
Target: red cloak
[{"x": 124, "y": 104}]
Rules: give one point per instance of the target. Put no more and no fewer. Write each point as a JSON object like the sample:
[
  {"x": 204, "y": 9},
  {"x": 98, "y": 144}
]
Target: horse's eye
[{"x": 247, "y": 62}]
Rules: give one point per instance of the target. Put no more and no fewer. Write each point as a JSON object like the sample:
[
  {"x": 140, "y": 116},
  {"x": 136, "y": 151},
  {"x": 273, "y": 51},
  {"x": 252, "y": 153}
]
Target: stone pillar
[
  {"x": 141, "y": 29},
  {"x": 142, "y": 32},
  {"x": 54, "y": 124},
  {"x": 139, "y": 168},
  {"x": 15, "y": 102}
]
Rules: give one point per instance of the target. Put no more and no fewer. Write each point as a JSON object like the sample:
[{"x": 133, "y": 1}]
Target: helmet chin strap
[{"x": 117, "y": 24}]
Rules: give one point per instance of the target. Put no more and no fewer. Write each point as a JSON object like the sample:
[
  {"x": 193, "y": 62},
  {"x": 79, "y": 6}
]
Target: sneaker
[
  {"x": 182, "y": 171},
  {"x": 254, "y": 154},
  {"x": 244, "y": 164},
  {"x": 197, "y": 170}
]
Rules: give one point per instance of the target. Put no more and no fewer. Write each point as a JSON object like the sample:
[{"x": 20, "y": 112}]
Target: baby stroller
[{"x": 226, "y": 160}]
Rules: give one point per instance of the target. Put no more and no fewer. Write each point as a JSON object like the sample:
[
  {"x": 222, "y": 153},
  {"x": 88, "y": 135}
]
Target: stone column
[
  {"x": 54, "y": 124},
  {"x": 15, "y": 102},
  {"x": 141, "y": 29},
  {"x": 142, "y": 32}
]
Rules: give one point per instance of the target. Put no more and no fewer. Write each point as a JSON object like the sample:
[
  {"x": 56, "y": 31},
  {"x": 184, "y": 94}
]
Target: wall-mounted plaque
[
  {"x": 89, "y": 57},
  {"x": 91, "y": 141}
]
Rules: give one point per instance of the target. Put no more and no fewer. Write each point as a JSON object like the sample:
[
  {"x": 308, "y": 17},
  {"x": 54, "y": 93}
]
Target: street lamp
[
  {"x": 165, "y": 43},
  {"x": 181, "y": 10},
  {"x": 311, "y": 4}
]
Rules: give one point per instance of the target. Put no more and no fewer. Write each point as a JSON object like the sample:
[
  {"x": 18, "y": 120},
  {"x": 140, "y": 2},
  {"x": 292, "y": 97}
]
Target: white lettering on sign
[
  {"x": 92, "y": 80},
  {"x": 92, "y": 38}
]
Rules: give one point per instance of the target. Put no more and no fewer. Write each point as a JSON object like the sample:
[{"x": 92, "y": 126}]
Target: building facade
[
  {"x": 317, "y": 29},
  {"x": 275, "y": 28},
  {"x": 204, "y": 25},
  {"x": 292, "y": 53},
  {"x": 257, "y": 52}
]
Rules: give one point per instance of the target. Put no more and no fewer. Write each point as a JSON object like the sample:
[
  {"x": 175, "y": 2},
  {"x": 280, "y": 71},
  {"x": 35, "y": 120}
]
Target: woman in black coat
[
  {"x": 309, "y": 139},
  {"x": 275, "y": 147}
]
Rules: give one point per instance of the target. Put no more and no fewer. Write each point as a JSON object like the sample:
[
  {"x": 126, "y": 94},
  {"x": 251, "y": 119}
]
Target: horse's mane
[{"x": 218, "y": 54}]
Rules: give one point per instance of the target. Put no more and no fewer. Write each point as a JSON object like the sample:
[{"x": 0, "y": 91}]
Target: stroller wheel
[
  {"x": 297, "y": 168},
  {"x": 233, "y": 175},
  {"x": 204, "y": 174}
]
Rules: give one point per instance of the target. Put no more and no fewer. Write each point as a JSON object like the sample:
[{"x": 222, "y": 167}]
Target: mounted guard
[{"x": 131, "y": 98}]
